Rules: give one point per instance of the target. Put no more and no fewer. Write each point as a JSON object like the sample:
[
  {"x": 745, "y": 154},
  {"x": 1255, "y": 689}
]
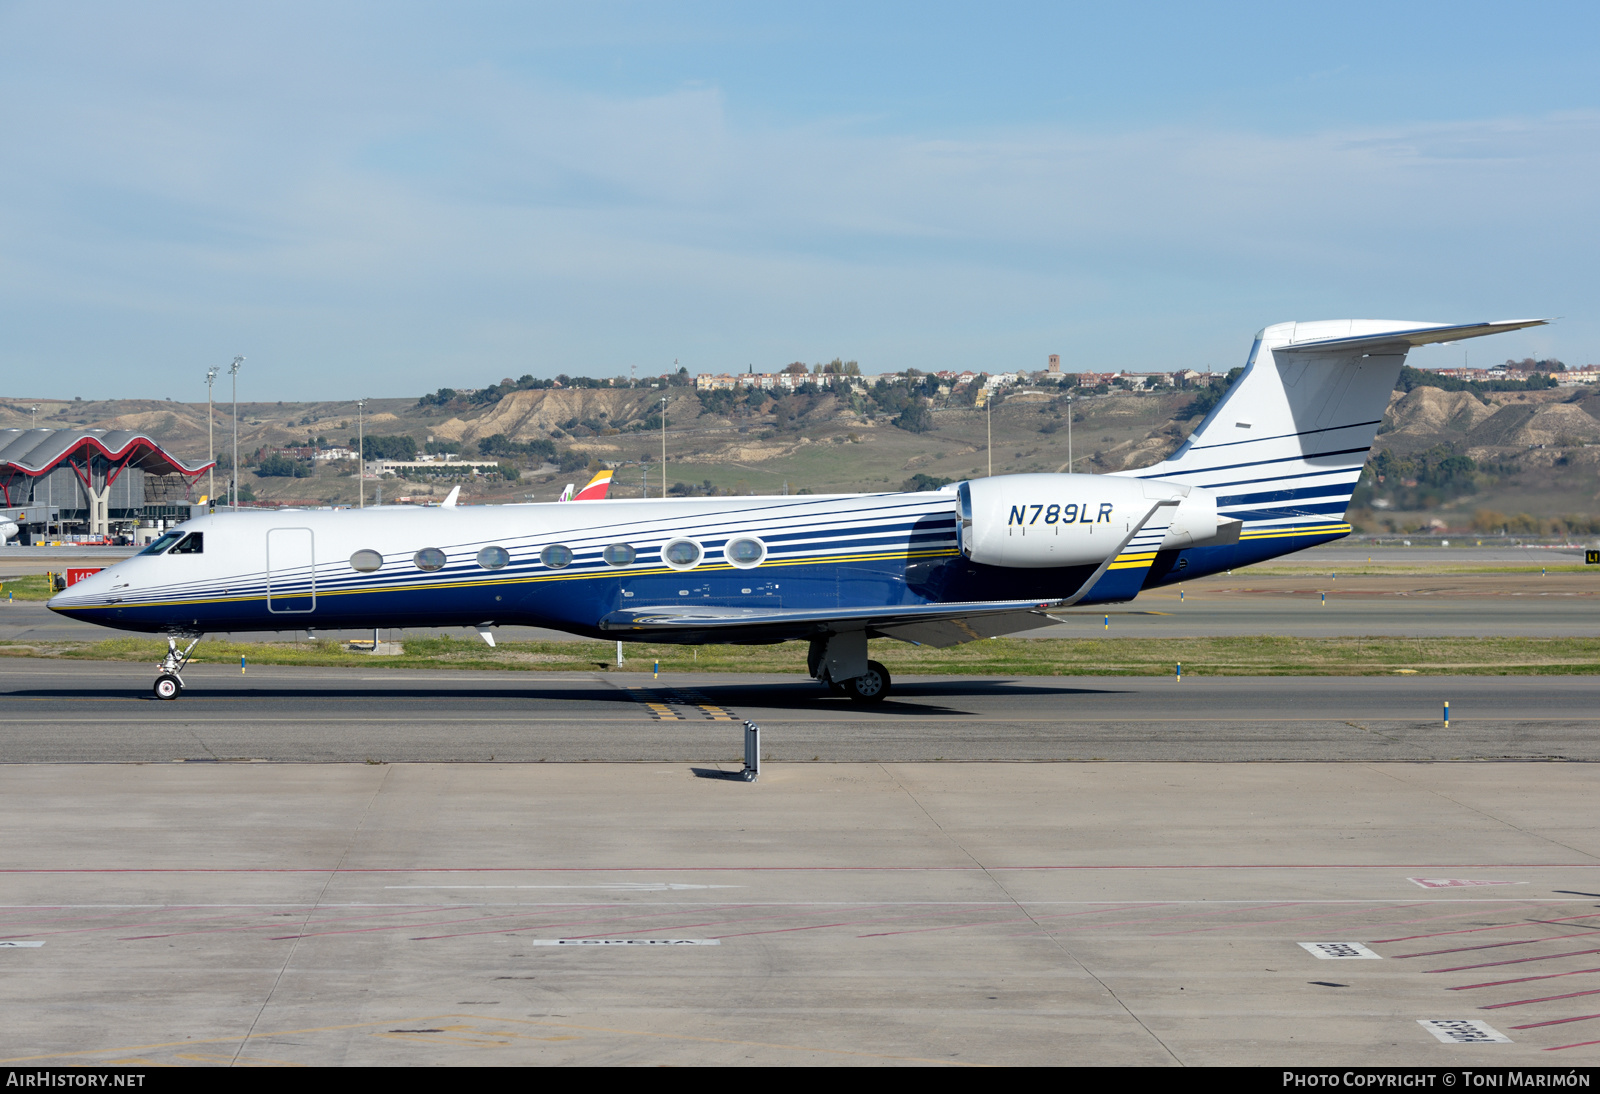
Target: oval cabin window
[
  {"x": 745, "y": 552},
  {"x": 493, "y": 558},
  {"x": 556, "y": 556},
  {"x": 429, "y": 558},
  {"x": 681, "y": 554},
  {"x": 619, "y": 554},
  {"x": 366, "y": 561}
]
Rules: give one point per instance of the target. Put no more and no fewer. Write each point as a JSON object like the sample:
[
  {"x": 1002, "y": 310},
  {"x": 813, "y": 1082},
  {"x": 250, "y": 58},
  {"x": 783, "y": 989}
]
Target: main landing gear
[
  {"x": 169, "y": 683},
  {"x": 871, "y": 686},
  {"x": 839, "y": 662}
]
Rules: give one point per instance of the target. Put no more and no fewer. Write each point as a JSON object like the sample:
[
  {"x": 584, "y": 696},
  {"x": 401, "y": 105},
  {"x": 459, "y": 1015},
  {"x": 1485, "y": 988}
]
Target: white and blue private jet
[{"x": 1269, "y": 471}]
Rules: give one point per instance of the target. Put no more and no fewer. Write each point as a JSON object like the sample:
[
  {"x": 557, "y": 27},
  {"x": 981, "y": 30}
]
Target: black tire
[
  {"x": 871, "y": 686},
  {"x": 167, "y": 686}
]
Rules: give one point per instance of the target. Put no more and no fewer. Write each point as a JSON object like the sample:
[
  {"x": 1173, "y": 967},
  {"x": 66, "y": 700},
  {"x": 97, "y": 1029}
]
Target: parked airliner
[{"x": 1269, "y": 471}]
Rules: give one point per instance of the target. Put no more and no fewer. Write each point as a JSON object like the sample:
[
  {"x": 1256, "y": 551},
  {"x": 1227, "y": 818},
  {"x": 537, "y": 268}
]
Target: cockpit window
[
  {"x": 167, "y": 540},
  {"x": 193, "y": 544}
]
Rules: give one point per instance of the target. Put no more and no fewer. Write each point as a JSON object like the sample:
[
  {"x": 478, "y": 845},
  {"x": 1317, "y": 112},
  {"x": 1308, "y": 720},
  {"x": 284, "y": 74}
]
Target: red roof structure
[{"x": 96, "y": 456}]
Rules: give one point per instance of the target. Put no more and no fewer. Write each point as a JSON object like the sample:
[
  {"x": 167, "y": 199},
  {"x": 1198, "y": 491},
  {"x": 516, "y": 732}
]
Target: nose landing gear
[{"x": 169, "y": 683}]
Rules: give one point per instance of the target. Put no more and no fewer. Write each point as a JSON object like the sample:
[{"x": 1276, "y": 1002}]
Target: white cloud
[{"x": 376, "y": 224}]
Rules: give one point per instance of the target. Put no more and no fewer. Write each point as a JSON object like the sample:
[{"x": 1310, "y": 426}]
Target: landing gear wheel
[
  {"x": 871, "y": 686},
  {"x": 167, "y": 686}
]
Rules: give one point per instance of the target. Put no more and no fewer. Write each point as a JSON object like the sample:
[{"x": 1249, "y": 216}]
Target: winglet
[{"x": 450, "y": 499}]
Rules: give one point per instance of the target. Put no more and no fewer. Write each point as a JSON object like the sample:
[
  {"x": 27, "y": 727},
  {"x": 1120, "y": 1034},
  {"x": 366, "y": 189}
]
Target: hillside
[{"x": 1534, "y": 453}]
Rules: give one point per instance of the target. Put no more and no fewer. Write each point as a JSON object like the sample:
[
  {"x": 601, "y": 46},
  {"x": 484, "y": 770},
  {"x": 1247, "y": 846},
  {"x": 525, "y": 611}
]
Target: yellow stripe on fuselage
[
  {"x": 527, "y": 579},
  {"x": 1286, "y": 533},
  {"x": 1133, "y": 560}
]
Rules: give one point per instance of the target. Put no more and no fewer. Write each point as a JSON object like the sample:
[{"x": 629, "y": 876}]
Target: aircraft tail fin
[
  {"x": 596, "y": 488},
  {"x": 1286, "y": 444}
]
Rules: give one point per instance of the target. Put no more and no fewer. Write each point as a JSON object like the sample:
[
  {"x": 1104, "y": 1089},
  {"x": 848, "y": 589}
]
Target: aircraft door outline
[{"x": 291, "y": 553}]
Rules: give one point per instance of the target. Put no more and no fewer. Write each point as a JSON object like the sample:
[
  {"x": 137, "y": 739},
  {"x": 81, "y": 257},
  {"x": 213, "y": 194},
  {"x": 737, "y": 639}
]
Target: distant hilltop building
[
  {"x": 1055, "y": 363},
  {"x": 775, "y": 381},
  {"x": 765, "y": 381}
]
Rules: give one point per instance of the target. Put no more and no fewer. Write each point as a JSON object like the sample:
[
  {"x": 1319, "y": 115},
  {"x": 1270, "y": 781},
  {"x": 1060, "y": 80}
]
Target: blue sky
[{"x": 384, "y": 199}]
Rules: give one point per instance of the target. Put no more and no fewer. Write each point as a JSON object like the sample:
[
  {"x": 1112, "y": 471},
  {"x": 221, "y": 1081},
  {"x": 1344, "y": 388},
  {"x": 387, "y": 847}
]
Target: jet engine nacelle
[
  {"x": 1035, "y": 521},
  {"x": 1196, "y": 523},
  {"x": 7, "y": 530}
]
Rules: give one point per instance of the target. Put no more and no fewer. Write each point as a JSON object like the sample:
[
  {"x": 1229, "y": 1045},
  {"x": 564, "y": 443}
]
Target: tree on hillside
[
  {"x": 915, "y": 418},
  {"x": 280, "y": 466},
  {"x": 374, "y": 447},
  {"x": 1209, "y": 396}
]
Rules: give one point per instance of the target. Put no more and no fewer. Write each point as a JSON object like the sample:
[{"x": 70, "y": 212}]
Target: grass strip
[
  {"x": 1223, "y": 656},
  {"x": 1364, "y": 569},
  {"x": 26, "y": 587}
]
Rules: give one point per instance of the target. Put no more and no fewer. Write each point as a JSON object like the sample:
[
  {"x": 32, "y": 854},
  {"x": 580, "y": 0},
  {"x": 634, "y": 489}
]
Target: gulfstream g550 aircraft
[{"x": 1269, "y": 471}]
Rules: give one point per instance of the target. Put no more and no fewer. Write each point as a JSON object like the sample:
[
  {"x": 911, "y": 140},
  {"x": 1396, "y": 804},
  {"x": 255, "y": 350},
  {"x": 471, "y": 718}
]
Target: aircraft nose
[{"x": 94, "y": 588}]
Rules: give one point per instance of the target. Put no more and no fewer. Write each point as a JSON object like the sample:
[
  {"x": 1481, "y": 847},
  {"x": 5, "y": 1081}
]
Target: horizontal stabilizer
[{"x": 1396, "y": 341}]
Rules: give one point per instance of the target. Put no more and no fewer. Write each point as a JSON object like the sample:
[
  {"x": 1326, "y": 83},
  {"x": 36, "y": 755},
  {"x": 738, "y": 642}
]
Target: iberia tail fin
[{"x": 597, "y": 488}]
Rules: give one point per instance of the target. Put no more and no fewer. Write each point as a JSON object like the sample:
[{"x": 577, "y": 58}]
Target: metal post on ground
[
  {"x": 619, "y": 653},
  {"x": 211, "y": 442},
  {"x": 1069, "y": 434},
  {"x": 361, "y": 459},
  {"x": 233, "y": 472},
  {"x": 752, "y": 752}
]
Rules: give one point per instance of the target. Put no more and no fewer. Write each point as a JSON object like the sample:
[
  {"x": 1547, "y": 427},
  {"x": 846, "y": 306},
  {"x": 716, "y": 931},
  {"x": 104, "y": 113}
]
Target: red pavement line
[
  {"x": 1516, "y": 961},
  {"x": 1475, "y": 930},
  {"x": 1545, "y": 999},
  {"x": 1520, "y": 980},
  {"x": 1558, "y": 1021},
  {"x": 1580, "y": 1044},
  {"x": 795, "y": 869},
  {"x": 1494, "y": 945}
]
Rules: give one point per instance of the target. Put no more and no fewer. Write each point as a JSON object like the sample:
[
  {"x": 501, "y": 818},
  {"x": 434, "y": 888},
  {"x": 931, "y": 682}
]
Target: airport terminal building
[{"x": 93, "y": 485}]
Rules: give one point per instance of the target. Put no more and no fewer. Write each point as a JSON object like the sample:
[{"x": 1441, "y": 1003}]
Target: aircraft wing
[
  {"x": 944, "y": 624},
  {"x": 936, "y": 625}
]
